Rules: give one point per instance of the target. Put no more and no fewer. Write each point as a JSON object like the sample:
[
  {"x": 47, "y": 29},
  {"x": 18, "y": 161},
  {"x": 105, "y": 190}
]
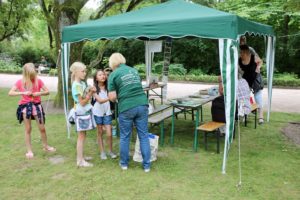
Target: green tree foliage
[
  {"x": 13, "y": 15},
  {"x": 284, "y": 17}
]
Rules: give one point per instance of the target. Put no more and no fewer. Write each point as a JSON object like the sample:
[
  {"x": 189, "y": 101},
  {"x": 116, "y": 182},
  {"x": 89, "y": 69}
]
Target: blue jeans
[
  {"x": 139, "y": 117},
  {"x": 259, "y": 98}
]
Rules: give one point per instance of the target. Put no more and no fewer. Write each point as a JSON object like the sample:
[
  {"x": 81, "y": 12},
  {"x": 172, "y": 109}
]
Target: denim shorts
[{"x": 104, "y": 120}]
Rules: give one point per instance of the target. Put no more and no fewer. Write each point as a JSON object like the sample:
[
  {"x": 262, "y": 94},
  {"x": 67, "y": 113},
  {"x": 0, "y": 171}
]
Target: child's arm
[
  {"x": 44, "y": 92},
  {"x": 258, "y": 62},
  {"x": 14, "y": 92},
  {"x": 100, "y": 100},
  {"x": 85, "y": 100}
]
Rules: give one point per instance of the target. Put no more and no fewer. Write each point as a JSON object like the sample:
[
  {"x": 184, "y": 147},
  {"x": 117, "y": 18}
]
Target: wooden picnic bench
[
  {"x": 210, "y": 127},
  {"x": 158, "y": 116},
  {"x": 254, "y": 108}
]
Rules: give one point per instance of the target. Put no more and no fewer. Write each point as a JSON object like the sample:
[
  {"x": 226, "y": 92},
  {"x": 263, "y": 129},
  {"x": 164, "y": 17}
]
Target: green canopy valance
[{"x": 176, "y": 19}]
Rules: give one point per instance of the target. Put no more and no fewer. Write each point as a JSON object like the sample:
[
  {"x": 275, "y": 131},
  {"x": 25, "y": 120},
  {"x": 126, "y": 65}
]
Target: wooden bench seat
[
  {"x": 209, "y": 127},
  {"x": 159, "y": 116},
  {"x": 254, "y": 108}
]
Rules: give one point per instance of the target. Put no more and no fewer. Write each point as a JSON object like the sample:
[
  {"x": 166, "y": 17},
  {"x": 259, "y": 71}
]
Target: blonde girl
[
  {"x": 78, "y": 70},
  {"x": 31, "y": 88},
  {"x": 102, "y": 113}
]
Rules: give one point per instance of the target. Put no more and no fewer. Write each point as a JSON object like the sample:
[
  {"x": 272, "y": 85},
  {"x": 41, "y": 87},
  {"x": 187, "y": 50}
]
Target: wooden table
[
  {"x": 152, "y": 88},
  {"x": 190, "y": 103}
]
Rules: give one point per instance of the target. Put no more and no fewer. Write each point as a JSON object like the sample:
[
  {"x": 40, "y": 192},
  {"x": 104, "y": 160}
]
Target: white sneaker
[
  {"x": 84, "y": 163},
  {"x": 147, "y": 170},
  {"x": 103, "y": 156},
  {"x": 112, "y": 155},
  {"x": 88, "y": 158},
  {"x": 123, "y": 167}
]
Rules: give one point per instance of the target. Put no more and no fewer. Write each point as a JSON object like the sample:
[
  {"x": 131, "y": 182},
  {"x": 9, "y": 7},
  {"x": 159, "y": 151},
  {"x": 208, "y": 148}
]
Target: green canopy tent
[{"x": 178, "y": 19}]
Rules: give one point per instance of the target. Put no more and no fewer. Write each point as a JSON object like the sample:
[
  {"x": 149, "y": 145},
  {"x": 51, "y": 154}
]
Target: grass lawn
[{"x": 270, "y": 164}]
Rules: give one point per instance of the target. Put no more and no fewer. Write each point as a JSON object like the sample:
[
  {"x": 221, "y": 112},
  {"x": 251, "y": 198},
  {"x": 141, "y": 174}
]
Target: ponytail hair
[{"x": 76, "y": 66}]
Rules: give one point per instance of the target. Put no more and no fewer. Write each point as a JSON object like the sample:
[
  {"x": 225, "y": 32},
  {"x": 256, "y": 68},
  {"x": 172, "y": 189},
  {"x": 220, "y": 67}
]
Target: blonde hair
[
  {"x": 115, "y": 60},
  {"x": 29, "y": 76},
  {"x": 76, "y": 66}
]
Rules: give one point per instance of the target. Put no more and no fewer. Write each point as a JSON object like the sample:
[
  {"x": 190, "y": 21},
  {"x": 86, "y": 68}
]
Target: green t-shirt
[{"x": 127, "y": 84}]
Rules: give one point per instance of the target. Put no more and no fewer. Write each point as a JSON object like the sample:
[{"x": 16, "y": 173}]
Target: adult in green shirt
[{"x": 124, "y": 85}]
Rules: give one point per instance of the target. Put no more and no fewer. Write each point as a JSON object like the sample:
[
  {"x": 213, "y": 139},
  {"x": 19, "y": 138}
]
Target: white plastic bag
[
  {"x": 150, "y": 108},
  {"x": 71, "y": 116},
  {"x": 153, "y": 139}
]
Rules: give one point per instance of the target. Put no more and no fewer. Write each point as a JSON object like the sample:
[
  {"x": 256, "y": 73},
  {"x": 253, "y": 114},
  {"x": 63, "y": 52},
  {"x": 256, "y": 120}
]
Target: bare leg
[
  {"x": 99, "y": 137},
  {"x": 42, "y": 129},
  {"x": 81, "y": 162},
  {"x": 80, "y": 141},
  {"x": 109, "y": 136},
  {"x": 27, "y": 124}
]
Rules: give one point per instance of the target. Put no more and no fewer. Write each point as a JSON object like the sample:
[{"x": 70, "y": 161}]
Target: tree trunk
[
  {"x": 285, "y": 40},
  {"x": 63, "y": 13}
]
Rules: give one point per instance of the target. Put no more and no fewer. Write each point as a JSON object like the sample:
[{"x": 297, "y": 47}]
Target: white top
[{"x": 102, "y": 109}]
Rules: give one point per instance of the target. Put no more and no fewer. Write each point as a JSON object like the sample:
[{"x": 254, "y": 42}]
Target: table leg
[
  {"x": 196, "y": 131},
  {"x": 218, "y": 141},
  {"x": 161, "y": 95},
  {"x": 201, "y": 114},
  {"x": 255, "y": 119},
  {"x": 172, "y": 129},
  {"x": 162, "y": 133}
]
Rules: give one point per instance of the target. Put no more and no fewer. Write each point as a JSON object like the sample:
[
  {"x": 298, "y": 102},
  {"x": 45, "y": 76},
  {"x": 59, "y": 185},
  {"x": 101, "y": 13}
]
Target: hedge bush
[
  {"x": 176, "y": 73},
  {"x": 10, "y": 67}
]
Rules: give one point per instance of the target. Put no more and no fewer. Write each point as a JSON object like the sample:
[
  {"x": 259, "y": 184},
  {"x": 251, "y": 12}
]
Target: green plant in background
[
  {"x": 196, "y": 72},
  {"x": 10, "y": 67},
  {"x": 286, "y": 79},
  {"x": 141, "y": 68},
  {"x": 53, "y": 72},
  {"x": 105, "y": 62},
  {"x": 177, "y": 69}
]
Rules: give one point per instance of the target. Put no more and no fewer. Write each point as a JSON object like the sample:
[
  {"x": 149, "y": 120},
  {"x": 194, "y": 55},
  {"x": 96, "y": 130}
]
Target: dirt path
[{"x": 283, "y": 100}]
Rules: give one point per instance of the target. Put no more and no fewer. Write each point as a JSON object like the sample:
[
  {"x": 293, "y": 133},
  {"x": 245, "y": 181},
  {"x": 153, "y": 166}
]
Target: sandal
[
  {"x": 260, "y": 121},
  {"x": 49, "y": 149},
  {"x": 29, "y": 155},
  {"x": 84, "y": 163}
]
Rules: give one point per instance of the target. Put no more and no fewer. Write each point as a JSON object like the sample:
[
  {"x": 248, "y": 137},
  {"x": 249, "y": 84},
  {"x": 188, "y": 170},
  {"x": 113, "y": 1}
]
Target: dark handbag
[{"x": 258, "y": 83}]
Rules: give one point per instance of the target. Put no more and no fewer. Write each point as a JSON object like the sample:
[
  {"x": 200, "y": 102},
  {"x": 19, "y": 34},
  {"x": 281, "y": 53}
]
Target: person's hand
[
  {"x": 35, "y": 94},
  {"x": 93, "y": 89},
  {"x": 28, "y": 93},
  {"x": 257, "y": 70}
]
